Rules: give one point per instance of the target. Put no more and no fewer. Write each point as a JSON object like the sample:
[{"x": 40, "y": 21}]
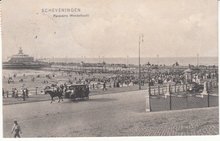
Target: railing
[
  {"x": 182, "y": 96},
  {"x": 39, "y": 90},
  {"x": 109, "y": 85},
  {"x": 177, "y": 88},
  {"x": 19, "y": 93}
]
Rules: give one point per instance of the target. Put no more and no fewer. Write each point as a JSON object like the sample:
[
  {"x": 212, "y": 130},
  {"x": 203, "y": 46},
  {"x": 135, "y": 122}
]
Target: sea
[{"x": 184, "y": 61}]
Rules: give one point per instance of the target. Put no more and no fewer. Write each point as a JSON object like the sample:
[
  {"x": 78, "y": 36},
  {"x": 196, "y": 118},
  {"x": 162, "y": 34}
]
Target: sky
[{"x": 171, "y": 28}]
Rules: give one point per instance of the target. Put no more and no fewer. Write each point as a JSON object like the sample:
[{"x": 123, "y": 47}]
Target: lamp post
[{"x": 141, "y": 40}]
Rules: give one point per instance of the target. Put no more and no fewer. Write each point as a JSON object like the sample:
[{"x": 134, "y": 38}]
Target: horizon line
[{"x": 84, "y": 57}]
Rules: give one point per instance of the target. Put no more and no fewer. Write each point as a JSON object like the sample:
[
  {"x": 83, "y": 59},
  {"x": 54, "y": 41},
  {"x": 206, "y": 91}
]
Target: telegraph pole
[{"x": 141, "y": 40}]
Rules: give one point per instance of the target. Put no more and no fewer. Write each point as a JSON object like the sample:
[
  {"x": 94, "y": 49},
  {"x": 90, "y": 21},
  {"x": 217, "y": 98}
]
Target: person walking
[
  {"x": 16, "y": 93},
  {"x": 27, "y": 93},
  {"x": 7, "y": 93},
  {"x": 23, "y": 94},
  {"x": 13, "y": 92},
  {"x": 3, "y": 93},
  {"x": 16, "y": 129},
  {"x": 104, "y": 86}
]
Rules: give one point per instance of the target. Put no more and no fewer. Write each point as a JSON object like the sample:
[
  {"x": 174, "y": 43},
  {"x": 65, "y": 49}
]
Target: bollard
[{"x": 148, "y": 104}]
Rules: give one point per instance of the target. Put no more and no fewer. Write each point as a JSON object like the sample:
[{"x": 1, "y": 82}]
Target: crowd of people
[
  {"x": 106, "y": 80},
  {"x": 15, "y": 93}
]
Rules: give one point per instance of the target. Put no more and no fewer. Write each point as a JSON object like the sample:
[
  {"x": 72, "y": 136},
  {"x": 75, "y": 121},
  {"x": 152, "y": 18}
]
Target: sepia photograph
[{"x": 109, "y": 68}]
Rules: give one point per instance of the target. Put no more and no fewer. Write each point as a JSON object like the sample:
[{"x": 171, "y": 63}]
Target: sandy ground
[
  {"x": 37, "y": 86},
  {"x": 121, "y": 114},
  {"x": 56, "y": 77}
]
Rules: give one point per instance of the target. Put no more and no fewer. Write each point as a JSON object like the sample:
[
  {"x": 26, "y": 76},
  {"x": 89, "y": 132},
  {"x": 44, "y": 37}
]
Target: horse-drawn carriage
[
  {"x": 73, "y": 92},
  {"x": 77, "y": 92}
]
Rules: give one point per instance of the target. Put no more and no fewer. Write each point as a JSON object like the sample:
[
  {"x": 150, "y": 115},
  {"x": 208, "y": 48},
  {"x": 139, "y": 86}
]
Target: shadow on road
[
  {"x": 102, "y": 100},
  {"x": 89, "y": 100}
]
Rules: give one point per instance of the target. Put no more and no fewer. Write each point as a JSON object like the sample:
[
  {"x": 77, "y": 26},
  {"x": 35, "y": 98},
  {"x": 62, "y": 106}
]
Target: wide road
[{"x": 120, "y": 114}]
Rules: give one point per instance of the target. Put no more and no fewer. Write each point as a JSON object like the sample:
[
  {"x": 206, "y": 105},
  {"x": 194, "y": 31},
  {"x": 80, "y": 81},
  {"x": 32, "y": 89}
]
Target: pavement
[
  {"x": 42, "y": 97},
  {"x": 119, "y": 114}
]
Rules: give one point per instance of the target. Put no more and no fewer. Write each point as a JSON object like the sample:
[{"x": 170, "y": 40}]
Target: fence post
[
  {"x": 154, "y": 91},
  {"x": 168, "y": 91},
  {"x": 175, "y": 88},
  {"x": 178, "y": 89},
  {"x": 170, "y": 100},
  {"x": 183, "y": 88},
  {"x": 36, "y": 90},
  {"x": 158, "y": 89},
  {"x": 186, "y": 101},
  {"x": 208, "y": 100}
]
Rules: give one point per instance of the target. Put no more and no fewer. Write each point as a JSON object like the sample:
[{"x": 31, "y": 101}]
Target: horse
[{"x": 53, "y": 94}]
